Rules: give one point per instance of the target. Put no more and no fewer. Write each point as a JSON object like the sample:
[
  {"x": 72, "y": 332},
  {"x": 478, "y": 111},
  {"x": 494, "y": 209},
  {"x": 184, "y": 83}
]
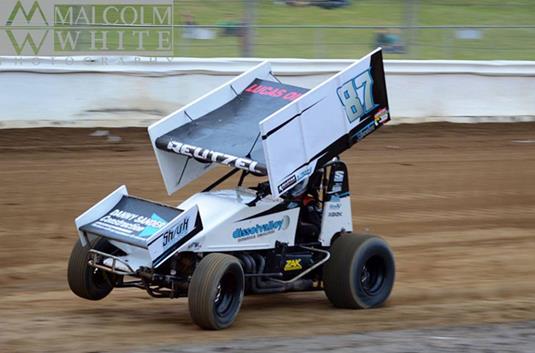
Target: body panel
[
  {"x": 225, "y": 213},
  {"x": 336, "y": 218}
]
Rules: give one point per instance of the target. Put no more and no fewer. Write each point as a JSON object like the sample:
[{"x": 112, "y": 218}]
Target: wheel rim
[
  {"x": 227, "y": 296},
  {"x": 99, "y": 278},
  {"x": 372, "y": 275}
]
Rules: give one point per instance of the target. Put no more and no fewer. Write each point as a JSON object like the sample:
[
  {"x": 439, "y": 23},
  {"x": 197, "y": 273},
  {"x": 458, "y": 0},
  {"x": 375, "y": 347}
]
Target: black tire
[
  {"x": 85, "y": 281},
  {"x": 360, "y": 273},
  {"x": 215, "y": 292}
]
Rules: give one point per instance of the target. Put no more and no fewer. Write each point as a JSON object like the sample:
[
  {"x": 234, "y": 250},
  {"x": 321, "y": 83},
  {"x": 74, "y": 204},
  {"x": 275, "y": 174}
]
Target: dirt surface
[
  {"x": 456, "y": 202},
  {"x": 499, "y": 338}
]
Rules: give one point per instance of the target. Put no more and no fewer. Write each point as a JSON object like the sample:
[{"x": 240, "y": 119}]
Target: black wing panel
[{"x": 232, "y": 129}]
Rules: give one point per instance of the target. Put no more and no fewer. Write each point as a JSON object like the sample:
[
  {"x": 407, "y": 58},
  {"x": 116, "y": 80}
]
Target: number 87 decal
[{"x": 356, "y": 96}]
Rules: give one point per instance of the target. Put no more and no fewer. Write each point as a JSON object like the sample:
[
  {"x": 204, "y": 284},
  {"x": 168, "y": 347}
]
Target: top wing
[{"x": 258, "y": 124}]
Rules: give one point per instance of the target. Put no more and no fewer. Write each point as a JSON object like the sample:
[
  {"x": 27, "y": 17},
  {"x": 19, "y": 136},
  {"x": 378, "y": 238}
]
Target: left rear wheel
[{"x": 86, "y": 281}]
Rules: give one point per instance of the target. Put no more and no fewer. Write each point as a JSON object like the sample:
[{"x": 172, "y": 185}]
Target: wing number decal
[{"x": 356, "y": 96}]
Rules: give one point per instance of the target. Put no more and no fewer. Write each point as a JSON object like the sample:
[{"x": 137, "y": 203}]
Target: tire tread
[
  {"x": 337, "y": 273},
  {"x": 200, "y": 292},
  {"x": 77, "y": 275}
]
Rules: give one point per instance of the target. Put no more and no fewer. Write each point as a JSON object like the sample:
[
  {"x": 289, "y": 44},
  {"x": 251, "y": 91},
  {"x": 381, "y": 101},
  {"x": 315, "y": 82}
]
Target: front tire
[
  {"x": 215, "y": 292},
  {"x": 360, "y": 273},
  {"x": 86, "y": 281}
]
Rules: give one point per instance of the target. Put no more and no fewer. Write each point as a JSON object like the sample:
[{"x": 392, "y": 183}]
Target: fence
[
  {"x": 406, "y": 29},
  {"x": 503, "y": 42}
]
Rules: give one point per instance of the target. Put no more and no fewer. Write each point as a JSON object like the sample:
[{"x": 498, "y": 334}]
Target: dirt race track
[{"x": 456, "y": 202}]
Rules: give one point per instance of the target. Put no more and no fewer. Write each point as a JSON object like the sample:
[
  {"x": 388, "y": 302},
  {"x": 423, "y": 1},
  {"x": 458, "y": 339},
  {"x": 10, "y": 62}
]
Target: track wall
[{"x": 134, "y": 91}]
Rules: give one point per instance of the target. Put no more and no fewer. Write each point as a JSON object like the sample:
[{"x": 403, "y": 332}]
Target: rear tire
[
  {"x": 85, "y": 281},
  {"x": 360, "y": 273},
  {"x": 215, "y": 292}
]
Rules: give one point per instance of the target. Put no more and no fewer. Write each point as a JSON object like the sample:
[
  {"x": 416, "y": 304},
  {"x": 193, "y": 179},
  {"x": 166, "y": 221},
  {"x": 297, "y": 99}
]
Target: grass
[{"x": 351, "y": 43}]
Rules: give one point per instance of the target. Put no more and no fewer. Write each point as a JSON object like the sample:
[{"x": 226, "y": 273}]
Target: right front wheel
[
  {"x": 215, "y": 292},
  {"x": 360, "y": 273}
]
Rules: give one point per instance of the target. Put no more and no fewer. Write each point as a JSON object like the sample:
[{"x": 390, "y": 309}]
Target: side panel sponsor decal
[
  {"x": 170, "y": 238},
  {"x": 217, "y": 157},
  {"x": 295, "y": 178},
  {"x": 126, "y": 223},
  {"x": 293, "y": 265},
  {"x": 365, "y": 131},
  {"x": 265, "y": 90},
  {"x": 253, "y": 231},
  {"x": 381, "y": 117}
]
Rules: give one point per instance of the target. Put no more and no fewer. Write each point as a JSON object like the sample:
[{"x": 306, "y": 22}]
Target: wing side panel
[
  {"x": 179, "y": 170},
  {"x": 323, "y": 123}
]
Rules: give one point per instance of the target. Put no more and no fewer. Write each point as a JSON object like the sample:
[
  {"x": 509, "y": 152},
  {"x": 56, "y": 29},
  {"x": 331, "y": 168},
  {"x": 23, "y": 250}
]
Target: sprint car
[{"x": 286, "y": 226}]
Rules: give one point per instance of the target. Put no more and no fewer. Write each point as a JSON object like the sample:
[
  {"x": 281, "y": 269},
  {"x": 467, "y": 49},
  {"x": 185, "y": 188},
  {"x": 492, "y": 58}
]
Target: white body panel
[
  {"x": 136, "y": 257},
  {"x": 336, "y": 218},
  {"x": 229, "y": 224},
  {"x": 313, "y": 122},
  {"x": 227, "y": 227}
]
